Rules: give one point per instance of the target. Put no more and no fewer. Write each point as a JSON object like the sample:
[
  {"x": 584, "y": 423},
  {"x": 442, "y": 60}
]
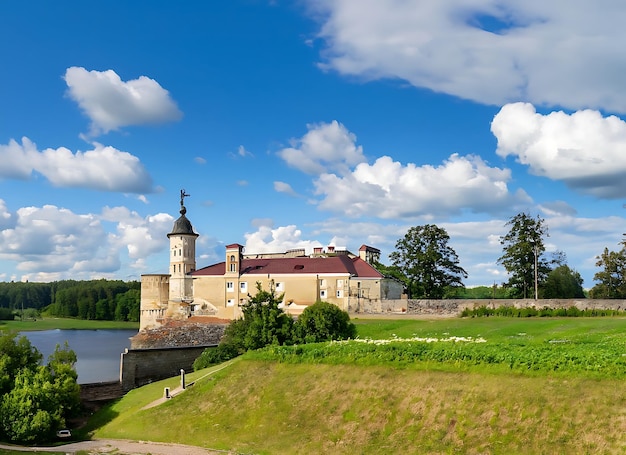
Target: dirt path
[{"x": 121, "y": 447}]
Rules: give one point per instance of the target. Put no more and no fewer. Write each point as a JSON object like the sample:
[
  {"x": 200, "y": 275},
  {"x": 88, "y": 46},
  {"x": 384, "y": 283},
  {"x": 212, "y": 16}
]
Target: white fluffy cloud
[
  {"x": 584, "y": 149},
  {"x": 387, "y": 189},
  {"x": 282, "y": 187},
  {"x": 325, "y": 147},
  {"x": 50, "y": 239},
  {"x": 269, "y": 240},
  {"x": 111, "y": 103},
  {"x": 51, "y": 243},
  {"x": 564, "y": 52},
  {"x": 103, "y": 168},
  {"x": 140, "y": 236}
]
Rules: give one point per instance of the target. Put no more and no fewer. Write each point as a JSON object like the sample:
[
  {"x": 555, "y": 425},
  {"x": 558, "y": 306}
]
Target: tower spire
[{"x": 183, "y": 195}]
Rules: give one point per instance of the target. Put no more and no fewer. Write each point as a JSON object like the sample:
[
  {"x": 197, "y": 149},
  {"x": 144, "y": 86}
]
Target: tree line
[
  {"x": 112, "y": 300},
  {"x": 429, "y": 267}
]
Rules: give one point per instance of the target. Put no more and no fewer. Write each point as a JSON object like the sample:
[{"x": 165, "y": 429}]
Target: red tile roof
[{"x": 283, "y": 266}]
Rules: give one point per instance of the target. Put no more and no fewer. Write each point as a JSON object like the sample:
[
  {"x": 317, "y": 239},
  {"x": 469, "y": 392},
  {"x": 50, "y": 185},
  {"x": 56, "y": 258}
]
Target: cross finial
[{"x": 183, "y": 195}]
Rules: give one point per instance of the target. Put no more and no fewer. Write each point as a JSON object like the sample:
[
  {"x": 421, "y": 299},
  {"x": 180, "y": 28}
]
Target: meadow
[
  {"x": 388, "y": 396},
  {"x": 51, "y": 323}
]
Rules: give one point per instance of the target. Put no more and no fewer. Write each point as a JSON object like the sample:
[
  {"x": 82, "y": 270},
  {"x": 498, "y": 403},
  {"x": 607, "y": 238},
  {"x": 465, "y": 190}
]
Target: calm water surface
[{"x": 98, "y": 351}]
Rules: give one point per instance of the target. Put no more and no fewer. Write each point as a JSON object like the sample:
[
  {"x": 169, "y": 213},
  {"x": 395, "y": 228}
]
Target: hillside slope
[{"x": 272, "y": 408}]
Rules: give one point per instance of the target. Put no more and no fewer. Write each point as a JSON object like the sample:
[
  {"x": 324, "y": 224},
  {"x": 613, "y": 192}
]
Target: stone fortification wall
[
  {"x": 191, "y": 332},
  {"x": 143, "y": 366},
  {"x": 453, "y": 307},
  {"x": 101, "y": 391},
  {"x": 160, "y": 353}
]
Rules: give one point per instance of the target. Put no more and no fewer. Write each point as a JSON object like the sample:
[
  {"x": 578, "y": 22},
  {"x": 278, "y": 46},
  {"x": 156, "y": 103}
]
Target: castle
[{"x": 218, "y": 291}]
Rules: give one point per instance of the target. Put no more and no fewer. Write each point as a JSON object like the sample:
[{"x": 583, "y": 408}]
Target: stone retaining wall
[
  {"x": 101, "y": 391},
  {"x": 143, "y": 366},
  {"x": 454, "y": 307}
]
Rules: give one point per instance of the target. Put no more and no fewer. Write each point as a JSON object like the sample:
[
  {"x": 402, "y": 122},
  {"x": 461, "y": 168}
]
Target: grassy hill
[{"x": 381, "y": 407}]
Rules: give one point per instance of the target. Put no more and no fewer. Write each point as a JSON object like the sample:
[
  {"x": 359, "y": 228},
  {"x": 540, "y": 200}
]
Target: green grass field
[
  {"x": 382, "y": 407},
  {"x": 63, "y": 323}
]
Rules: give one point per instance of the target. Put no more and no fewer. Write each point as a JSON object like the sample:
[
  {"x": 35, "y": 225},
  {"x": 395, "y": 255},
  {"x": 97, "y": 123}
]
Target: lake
[{"x": 98, "y": 351}]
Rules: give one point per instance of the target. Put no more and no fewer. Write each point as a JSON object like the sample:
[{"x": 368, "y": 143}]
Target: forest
[{"x": 107, "y": 300}]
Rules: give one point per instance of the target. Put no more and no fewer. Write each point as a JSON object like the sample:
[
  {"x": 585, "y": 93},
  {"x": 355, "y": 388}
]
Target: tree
[
  {"x": 522, "y": 253},
  {"x": 15, "y": 355},
  {"x": 428, "y": 262},
  {"x": 35, "y": 399},
  {"x": 563, "y": 283},
  {"x": 612, "y": 277},
  {"x": 323, "y": 321}
]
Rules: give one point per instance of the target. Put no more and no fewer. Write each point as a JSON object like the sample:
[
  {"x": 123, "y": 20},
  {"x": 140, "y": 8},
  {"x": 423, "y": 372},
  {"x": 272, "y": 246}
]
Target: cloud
[
  {"x": 50, "y": 239},
  {"x": 241, "y": 153},
  {"x": 51, "y": 243},
  {"x": 140, "y": 236},
  {"x": 103, "y": 168},
  {"x": 387, "y": 189},
  {"x": 584, "y": 150},
  {"x": 199, "y": 160},
  {"x": 557, "y": 208},
  {"x": 282, "y": 187},
  {"x": 558, "y": 53},
  {"x": 325, "y": 147},
  {"x": 111, "y": 103},
  {"x": 281, "y": 239}
]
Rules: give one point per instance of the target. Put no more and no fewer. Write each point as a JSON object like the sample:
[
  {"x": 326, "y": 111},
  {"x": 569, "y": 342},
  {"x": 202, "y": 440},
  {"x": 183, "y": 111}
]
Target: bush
[
  {"x": 6, "y": 314},
  {"x": 212, "y": 356},
  {"x": 323, "y": 321}
]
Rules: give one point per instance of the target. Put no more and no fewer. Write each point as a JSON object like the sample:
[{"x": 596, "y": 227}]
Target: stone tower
[{"x": 182, "y": 256}]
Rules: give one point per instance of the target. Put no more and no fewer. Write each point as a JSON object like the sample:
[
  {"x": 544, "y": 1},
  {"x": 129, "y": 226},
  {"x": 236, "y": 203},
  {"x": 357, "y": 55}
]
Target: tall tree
[
  {"x": 429, "y": 263},
  {"x": 612, "y": 276},
  {"x": 563, "y": 283},
  {"x": 522, "y": 253}
]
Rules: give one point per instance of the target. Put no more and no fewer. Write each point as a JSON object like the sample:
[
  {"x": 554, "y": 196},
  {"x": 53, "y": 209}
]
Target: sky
[{"x": 296, "y": 124}]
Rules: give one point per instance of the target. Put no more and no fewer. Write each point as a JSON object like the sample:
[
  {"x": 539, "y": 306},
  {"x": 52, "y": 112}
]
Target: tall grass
[{"x": 386, "y": 397}]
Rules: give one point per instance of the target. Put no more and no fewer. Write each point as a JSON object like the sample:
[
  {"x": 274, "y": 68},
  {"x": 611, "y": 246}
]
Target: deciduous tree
[
  {"x": 563, "y": 283},
  {"x": 428, "y": 262},
  {"x": 523, "y": 250},
  {"x": 612, "y": 276}
]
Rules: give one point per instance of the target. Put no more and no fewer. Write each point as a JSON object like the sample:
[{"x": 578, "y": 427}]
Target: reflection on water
[{"x": 98, "y": 351}]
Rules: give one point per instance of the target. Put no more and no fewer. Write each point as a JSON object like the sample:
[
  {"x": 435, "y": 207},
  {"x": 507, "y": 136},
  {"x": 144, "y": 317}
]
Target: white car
[{"x": 64, "y": 434}]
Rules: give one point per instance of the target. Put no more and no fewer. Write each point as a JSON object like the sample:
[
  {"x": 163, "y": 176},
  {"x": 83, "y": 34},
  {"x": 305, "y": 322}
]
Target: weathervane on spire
[{"x": 183, "y": 195}]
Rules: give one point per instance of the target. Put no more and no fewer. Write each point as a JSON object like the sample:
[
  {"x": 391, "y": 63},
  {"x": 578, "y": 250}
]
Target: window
[
  {"x": 339, "y": 294},
  {"x": 339, "y": 284},
  {"x": 280, "y": 287},
  {"x": 322, "y": 283},
  {"x": 230, "y": 302},
  {"x": 232, "y": 258},
  {"x": 230, "y": 286},
  {"x": 233, "y": 267},
  {"x": 174, "y": 252},
  {"x": 243, "y": 286},
  {"x": 323, "y": 294}
]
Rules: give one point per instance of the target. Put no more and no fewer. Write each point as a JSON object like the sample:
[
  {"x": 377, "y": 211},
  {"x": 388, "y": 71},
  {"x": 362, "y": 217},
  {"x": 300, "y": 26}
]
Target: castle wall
[
  {"x": 143, "y": 366},
  {"x": 454, "y": 307},
  {"x": 154, "y": 297}
]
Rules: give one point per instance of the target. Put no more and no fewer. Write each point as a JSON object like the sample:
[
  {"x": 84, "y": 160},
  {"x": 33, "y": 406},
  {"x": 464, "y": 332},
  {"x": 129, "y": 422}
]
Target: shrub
[{"x": 323, "y": 321}]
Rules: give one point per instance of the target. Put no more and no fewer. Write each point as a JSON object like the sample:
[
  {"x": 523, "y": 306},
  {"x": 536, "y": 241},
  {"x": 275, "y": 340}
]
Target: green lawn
[
  {"x": 345, "y": 407},
  {"x": 63, "y": 323}
]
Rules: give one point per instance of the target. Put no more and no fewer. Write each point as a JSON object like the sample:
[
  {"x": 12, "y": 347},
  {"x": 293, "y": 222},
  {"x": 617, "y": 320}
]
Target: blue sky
[{"x": 306, "y": 123}]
